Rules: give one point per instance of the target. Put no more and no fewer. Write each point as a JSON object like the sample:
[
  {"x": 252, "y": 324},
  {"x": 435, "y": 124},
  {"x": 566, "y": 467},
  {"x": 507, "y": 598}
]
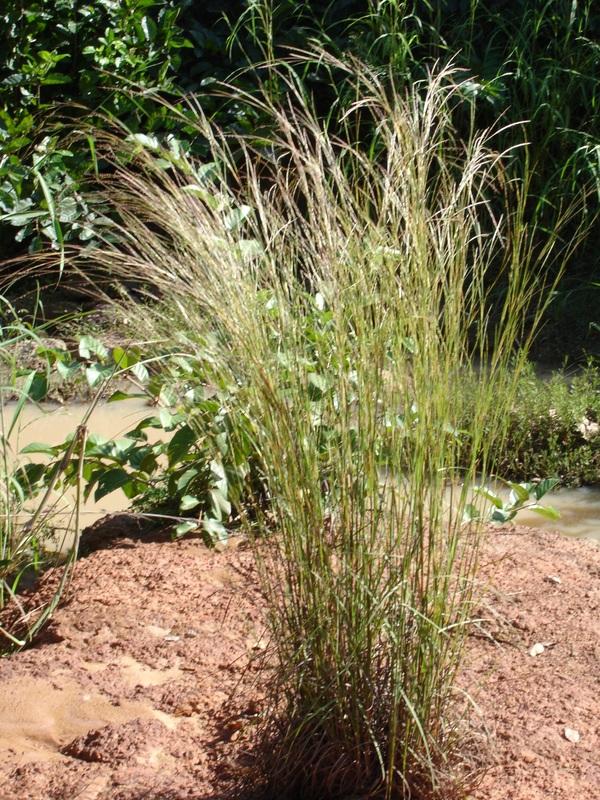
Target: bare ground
[{"x": 146, "y": 683}]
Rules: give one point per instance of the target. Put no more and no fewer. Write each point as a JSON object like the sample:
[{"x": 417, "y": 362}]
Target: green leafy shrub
[
  {"x": 89, "y": 54},
  {"x": 553, "y": 429},
  {"x": 189, "y": 471}
]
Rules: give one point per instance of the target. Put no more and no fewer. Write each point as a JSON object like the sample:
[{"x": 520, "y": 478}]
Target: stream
[
  {"x": 579, "y": 513},
  {"x": 579, "y": 508},
  {"x": 51, "y": 425}
]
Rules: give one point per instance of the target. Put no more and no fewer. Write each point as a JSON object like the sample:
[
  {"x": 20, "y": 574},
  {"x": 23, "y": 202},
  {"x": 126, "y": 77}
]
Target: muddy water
[
  {"x": 579, "y": 508},
  {"x": 51, "y": 425},
  {"x": 579, "y": 513}
]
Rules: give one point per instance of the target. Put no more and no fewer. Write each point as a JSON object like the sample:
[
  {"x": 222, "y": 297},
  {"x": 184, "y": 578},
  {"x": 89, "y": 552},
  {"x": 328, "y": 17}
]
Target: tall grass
[
  {"x": 29, "y": 511},
  {"x": 348, "y": 298}
]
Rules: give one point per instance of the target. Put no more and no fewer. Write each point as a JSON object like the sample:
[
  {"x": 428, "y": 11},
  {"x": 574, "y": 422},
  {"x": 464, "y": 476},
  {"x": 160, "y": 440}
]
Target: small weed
[{"x": 26, "y": 528}]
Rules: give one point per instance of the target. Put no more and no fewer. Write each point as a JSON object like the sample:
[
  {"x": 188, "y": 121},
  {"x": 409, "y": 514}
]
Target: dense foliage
[
  {"x": 523, "y": 60},
  {"x": 70, "y": 53},
  {"x": 554, "y": 429}
]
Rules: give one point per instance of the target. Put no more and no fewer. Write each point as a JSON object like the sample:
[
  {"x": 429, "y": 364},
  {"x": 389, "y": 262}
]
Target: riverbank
[{"x": 146, "y": 683}]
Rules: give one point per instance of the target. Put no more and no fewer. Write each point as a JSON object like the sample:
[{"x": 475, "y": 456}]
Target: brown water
[
  {"x": 579, "y": 513},
  {"x": 51, "y": 425},
  {"x": 579, "y": 508}
]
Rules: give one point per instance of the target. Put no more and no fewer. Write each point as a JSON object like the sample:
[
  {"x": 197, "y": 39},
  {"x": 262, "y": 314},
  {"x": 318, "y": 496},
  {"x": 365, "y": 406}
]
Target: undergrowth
[
  {"x": 553, "y": 429},
  {"x": 32, "y": 529}
]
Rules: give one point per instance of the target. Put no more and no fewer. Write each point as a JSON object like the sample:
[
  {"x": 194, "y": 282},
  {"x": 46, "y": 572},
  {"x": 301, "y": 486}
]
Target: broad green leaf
[
  {"x": 90, "y": 346},
  {"x": 69, "y": 210},
  {"x": 205, "y": 173},
  {"x": 545, "y": 511},
  {"x": 545, "y": 486},
  {"x": 96, "y": 440},
  {"x": 95, "y": 374},
  {"x": 141, "y": 373},
  {"x": 188, "y": 502},
  {"x": 121, "y": 448},
  {"x": 56, "y": 79},
  {"x": 185, "y": 527},
  {"x": 220, "y": 503},
  {"x": 221, "y": 441},
  {"x": 119, "y": 395},
  {"x": 26, "y": 476},
  {"x": 215, "y": 529},
  {"x": 110, "y": 481},
  {"x": 236, "y": 217},
  {"x": 218, "y": 470},
  {"x": 148, "y": 422},
  {"x": 187, "y": 477},
  {"x": 502, "y": 515},
  {"x": 148, "y": 26},
  {"x": 204, "y": 194},
  {"x": 317, "y": 386},
  {"x": 168, "y": 396},
  {"x": 137, "y": 456},
  {"x": 148, "y": 462},
  {"x": 180, "y": 444},
  {"x": 132, "y": 489},
  {"x": 56, "y": 228},
  {"x": 40, "y": 447},
  {"x": 38, "y": 388},
  {"x": 66, "y": 371},
  {"x": 120, "y": 357},
  {"x": 520, "y": 492},
  {"x": 489, "y": 495},
  {"x": 163, "y": 163},
  {"x": 168, "y": 421},
  {"x": 150, "y": 142},
  {"x": 183, "y": 363}
]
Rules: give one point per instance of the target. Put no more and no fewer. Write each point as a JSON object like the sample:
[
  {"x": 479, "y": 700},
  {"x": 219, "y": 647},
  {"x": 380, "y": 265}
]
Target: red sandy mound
[{"x": 144, "y": 685}]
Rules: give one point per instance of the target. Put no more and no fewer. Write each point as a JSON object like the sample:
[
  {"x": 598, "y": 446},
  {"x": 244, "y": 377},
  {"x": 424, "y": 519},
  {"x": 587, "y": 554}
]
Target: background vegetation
[{"x": 522, "y": 61}]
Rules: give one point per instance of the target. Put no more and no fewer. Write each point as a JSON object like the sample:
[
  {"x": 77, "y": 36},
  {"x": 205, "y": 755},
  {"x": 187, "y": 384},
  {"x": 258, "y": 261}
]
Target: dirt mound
[{"x": 147, "y": 683}]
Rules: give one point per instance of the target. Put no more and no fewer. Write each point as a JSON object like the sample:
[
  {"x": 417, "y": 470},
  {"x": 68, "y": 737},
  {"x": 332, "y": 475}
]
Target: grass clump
[{"x": 346, "y": 297}]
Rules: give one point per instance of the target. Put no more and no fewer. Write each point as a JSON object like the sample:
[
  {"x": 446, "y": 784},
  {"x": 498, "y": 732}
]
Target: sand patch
[{"x": 37, "y": 717}]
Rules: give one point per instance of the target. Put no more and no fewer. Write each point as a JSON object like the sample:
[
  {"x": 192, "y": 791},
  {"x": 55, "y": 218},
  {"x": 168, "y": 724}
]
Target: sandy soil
[{"x": 146, "y": 683}]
